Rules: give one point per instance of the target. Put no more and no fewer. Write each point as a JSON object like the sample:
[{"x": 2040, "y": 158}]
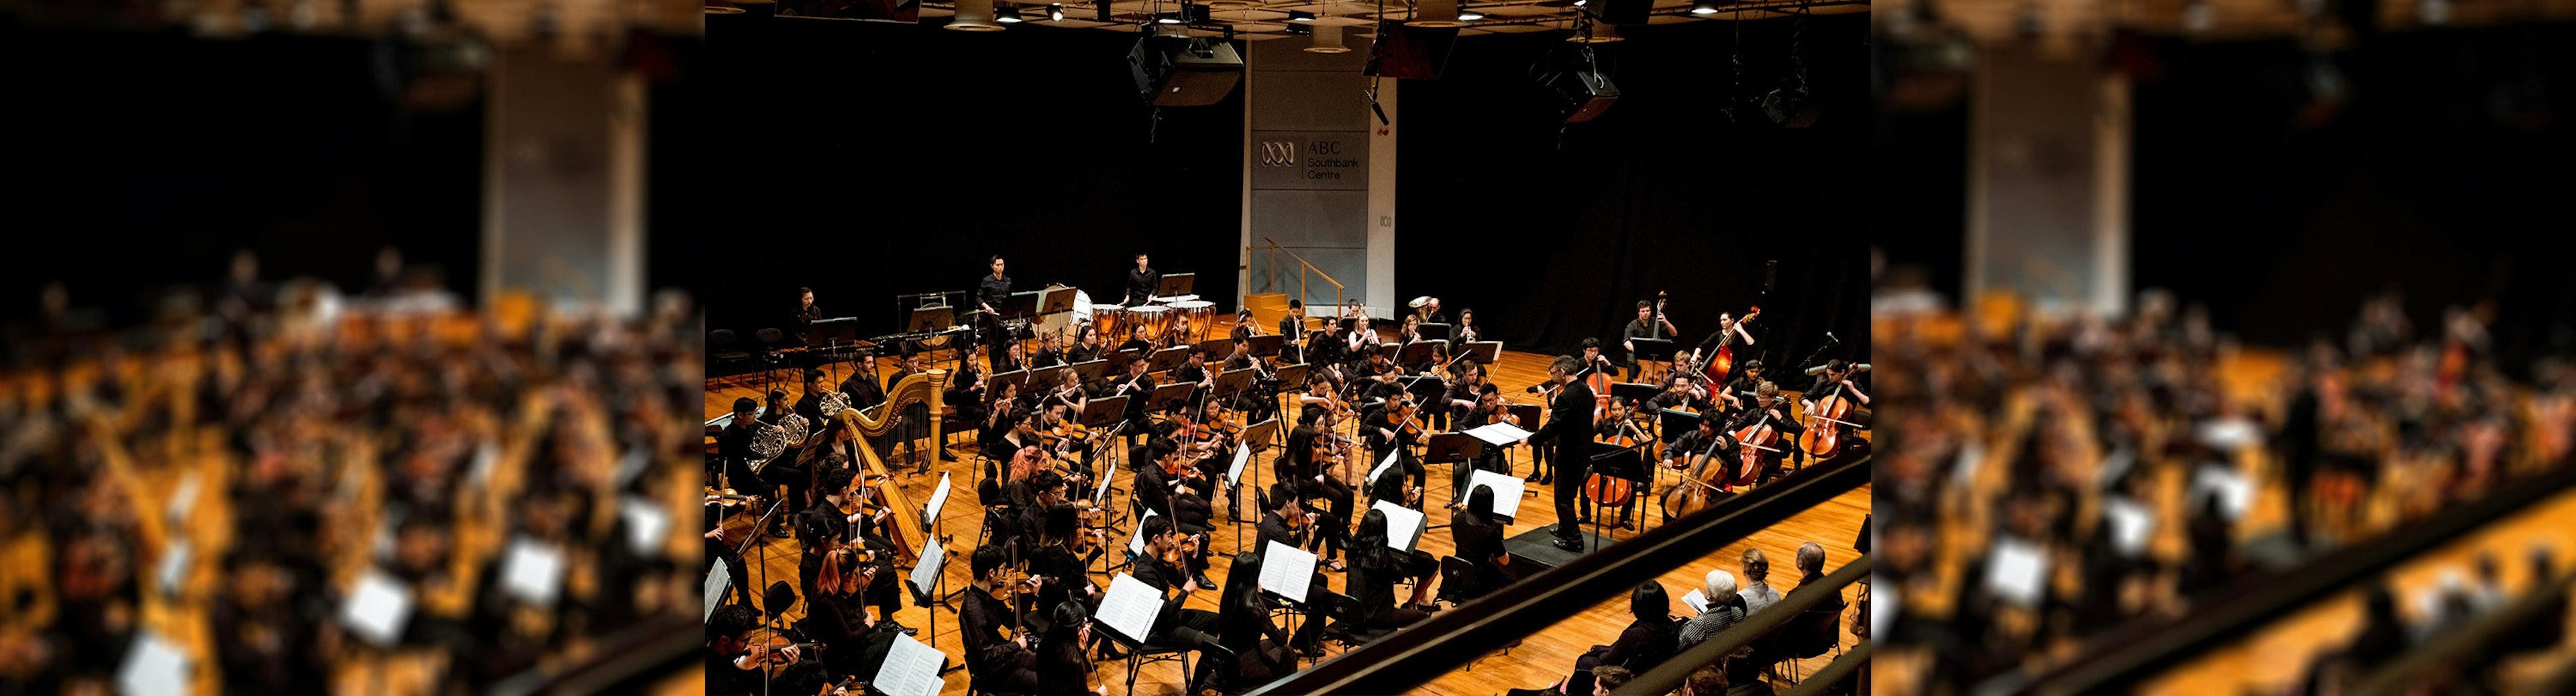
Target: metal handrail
[
  {"x": 1304, "y": 265},
  {"x": 1669, "y": 675},
  {"x": 1426, "y": 650},
  {"x": 2466, "y": 644}
]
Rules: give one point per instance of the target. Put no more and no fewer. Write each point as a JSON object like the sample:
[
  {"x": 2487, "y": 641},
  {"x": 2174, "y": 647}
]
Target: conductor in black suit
[{"x": 1570, "y": 424}]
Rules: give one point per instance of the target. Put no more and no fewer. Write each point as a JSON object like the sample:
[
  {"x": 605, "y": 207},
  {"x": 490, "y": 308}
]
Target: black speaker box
[{"x": 1184, "y": 72}]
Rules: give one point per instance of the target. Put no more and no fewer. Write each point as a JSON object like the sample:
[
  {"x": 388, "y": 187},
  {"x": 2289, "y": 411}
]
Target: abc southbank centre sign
[{"x": 1310, "y": 160}]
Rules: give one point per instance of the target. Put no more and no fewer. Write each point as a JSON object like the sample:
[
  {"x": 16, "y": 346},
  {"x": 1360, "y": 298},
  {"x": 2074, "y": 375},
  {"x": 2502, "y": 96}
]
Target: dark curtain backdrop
[
  {"x": 2422, "y": 180},
  {"x": 140, "y": 161},
  {"x": 1551, "y": 244},
  {"x": 868, "y": 160}
]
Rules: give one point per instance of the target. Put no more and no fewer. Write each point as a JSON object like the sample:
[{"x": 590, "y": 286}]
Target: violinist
[
  {"x": 1292, "y": 526},
  {"x": 1305, "y": 464},
  {"x": 832, "y": 525},
  {"x": 1461, "y": 398},
  {"x": 993, "y": 662},
  {"x": 1166, "y": 486},
  {"x": 1478, "y": 535},
  {"x": 1488, "y": 409},
  {"x": 1176, "y": 626},
  {"x": 1063, "y": 668},
  {"x": 837, "y": 618},
  {"x": 1064, "y": 546},
  {"x": 1377, "y": 377},
  {"x": 734, "y": 661},
  {"x": 1390, "y": 429}
]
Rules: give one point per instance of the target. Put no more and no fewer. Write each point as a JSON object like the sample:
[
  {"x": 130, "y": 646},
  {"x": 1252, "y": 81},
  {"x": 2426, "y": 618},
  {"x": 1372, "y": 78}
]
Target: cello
[
  {"x": 1751, "y": 441},
  {"x": 1699, "y": 479},
  {"x": 1612, "y": 491},
  {"x": 1725, "y": 360},
  {"x": 1835, "y": 409}
]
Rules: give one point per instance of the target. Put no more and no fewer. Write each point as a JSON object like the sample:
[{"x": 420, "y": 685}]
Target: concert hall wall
[
  {"x": 140, "y": 161},
  {"x": 1552, "y": 242},
  {"x": 869, "y": 160},
  {"x": 2281, "y": 229}
]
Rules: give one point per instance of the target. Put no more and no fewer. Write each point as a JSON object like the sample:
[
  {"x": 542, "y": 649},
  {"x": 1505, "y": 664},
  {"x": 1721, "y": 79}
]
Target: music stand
[
  {"x": 1527, "y": 414},
  {"x": 1046, "y": 376},
  {"x": 1167, "y": 395},
  {"x": 835, "y": 334},
  {"x": 930, "y": 319},
  {"x": 1652, "y": 349},
  {"x": 1674, "y": 423},
  {"x": 1455, "y": 450},
  {"x": 1090, "y": 370},
  {"x": 1418, "y": 353},
  {"x": 1267, "y": 345},
  {"x": 1425, "y": 386},
  {"x": 1166, "y": 359},
  {"x": 1103, "y": 411},
  {"x": 1292, "y": 377},
  {"x": 1055, "y": 299},
  {"x": 1232, "y": 383},
  {"x": 928, "y": 582},
  {"x": 1617, "y": 462},
  {"x": 1019, "y": 305},
  {"x": 1435, "y": 331},
  {"x": 1175, "y": 284},
  {"x": 1220, "y": 348},
  {"x": 1014, "y": 377},
  {"x": 1387, "y": 349},
  {"x": 1486, "y": 352},
  {"x": 1127, "y": 356}
]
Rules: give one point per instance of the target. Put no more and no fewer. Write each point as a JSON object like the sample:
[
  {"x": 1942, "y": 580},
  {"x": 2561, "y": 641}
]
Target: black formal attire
[
  {"x": 1188, "y": 512},
  {"x": 1259, "y": 645},
  {"x": 1372, "y": 582},
  {"x": 1788, "y": 429},
  {"x": 1140, "y": 285},
  {"x": 1645, "y": 643},
  {"x": 1479, "y": 538},
  {"x": 1332, "y": 529},
  {"x": 995, "y": 291},
  {"x": 1569, "y": 428},
  {"x": 1177, "y": 626},
  {"x": 805, "y": 319},
  {"x": 1275, "y": 528},
  {"x": 994, "y": 664},
  {"x": 824, "y": 522},
  {"x": 850, "y": 645},
  {"x": 1292, "y": 347}
]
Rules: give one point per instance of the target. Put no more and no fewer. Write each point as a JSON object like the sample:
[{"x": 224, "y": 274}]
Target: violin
[
  {"x": 771, "y": 653},
  {"x": 1019, "y": 582},
  {"x": 1188, "y": 547}
]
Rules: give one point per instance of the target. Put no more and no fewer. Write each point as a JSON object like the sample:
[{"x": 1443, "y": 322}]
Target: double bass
[{"x": 1724, "y": 362}]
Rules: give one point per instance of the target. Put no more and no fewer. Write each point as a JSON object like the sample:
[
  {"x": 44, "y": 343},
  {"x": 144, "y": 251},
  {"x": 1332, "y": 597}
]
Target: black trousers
[{"x": 1569, "y": 483}]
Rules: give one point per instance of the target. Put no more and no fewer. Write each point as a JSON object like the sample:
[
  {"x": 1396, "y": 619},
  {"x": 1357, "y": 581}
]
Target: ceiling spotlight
[
  {"x": 1007, "y": 13},
  {"x": 1055, "y": 13},
  {"x": 2198, "y": 16},
  {"x": 1327, "y": 39},
  {"x": 1579, "y": 3},
  {"x": 1300, "y": 16},
  {"x": 1434, "y": 13},
  {"x": 973, "y": 15},
  {"x": 1167, "y": 18},
  {"x": 1704, "y": 7},
  {"x": 1465, "y": 14}
]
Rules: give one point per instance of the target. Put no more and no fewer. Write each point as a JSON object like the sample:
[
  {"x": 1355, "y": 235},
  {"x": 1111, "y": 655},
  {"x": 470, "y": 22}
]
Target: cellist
[
  {"x": 1613, "y": 427},
  {"x": 1766, "y": 403},
  {"x": 1836, "y": 381}
]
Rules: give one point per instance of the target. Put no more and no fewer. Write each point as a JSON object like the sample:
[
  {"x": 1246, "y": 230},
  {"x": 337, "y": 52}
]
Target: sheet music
[
  {"x": 938, "y": 501},
  {"x": 153, "y": 666},
  {"x": 1697, "y": 601},
  {"x": 1100, "y": 492},
  {"x": 1382, "y": 467},
  {"x": 1507, "y": 491},
  {"x": 1130, "y": 607},
  {"x": 1285, "y": 570},
  {"x": 377, "y": 609},
  {"x": 533, "y": 571},
  {"x": 2131, "y": 525},
  {"x": 1136, "y": 544},
  {"x": 1500, "y": 434},
  {"x": 2017, "y": 571},
  {"x": 925, "y": 575},
  {"x": 717, "y": 583},
  {"x": 1234, "y": 472},
  {"x": 2235, "y": 494},
  {"x": 910, "y": 669},
  {"x": 174, "y": 566},
  {"x": 183, "y": 499},
  {"x": 1403, "y": 525},
  {"x": 646, "y": 525}
]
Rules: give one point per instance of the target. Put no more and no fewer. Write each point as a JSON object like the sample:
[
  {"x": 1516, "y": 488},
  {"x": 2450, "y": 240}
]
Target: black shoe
[
  {"x": 1569, "y": 544},
  {"x": 1548, "y": 480},
  {"x": 780, "y": 532},
  {"x": 1311, "y": 651},
  {"x": 1110, "y": 651},
  {"x": 890, "y": 625},
  {"x": 947, "y": 456},
  {"x": 1625, "y": 523},
  {"x": 1532, "y": 478},
  {"x": 1202, "y": 580}
]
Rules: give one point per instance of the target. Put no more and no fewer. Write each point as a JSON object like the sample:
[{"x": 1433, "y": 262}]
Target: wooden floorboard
[{"x": 1544, "y": 657}]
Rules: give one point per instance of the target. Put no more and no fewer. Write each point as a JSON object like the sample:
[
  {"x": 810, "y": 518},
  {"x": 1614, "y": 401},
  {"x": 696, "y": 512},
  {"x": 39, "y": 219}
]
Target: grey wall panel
[
  {"x": 1310, "y": 101},
  {"x": 1346, "y": 265},
  {"x": 1311, "y": 218}
]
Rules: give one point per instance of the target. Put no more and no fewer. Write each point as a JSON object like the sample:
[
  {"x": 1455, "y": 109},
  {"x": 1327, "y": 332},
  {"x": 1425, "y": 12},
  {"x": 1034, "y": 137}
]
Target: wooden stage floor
[{"x": 1544, "y": 657}]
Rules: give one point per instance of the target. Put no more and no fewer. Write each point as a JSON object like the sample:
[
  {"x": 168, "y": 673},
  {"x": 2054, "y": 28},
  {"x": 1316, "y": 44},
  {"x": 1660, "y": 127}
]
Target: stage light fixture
[
  {"x": 1006, "y": 13},
  {"x": 1468, "y": 15},
  {"x": 1704, "y": 7},
  {"x": 1579, "y": 3},
  {"x": 1300, "y": 16},
  {"x": 1327, "y": 38},
  {"x": 973, "y": 15},
  {"x": 1055, "y": 13},
  {"x": 1434, "y": 13},
  {"x": 1596, "y": 33},
  {"x": 1167, "y": 18}
]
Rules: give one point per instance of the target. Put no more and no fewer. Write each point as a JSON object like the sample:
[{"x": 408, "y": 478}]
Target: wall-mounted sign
[{"x": 1327, "y": 160}]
